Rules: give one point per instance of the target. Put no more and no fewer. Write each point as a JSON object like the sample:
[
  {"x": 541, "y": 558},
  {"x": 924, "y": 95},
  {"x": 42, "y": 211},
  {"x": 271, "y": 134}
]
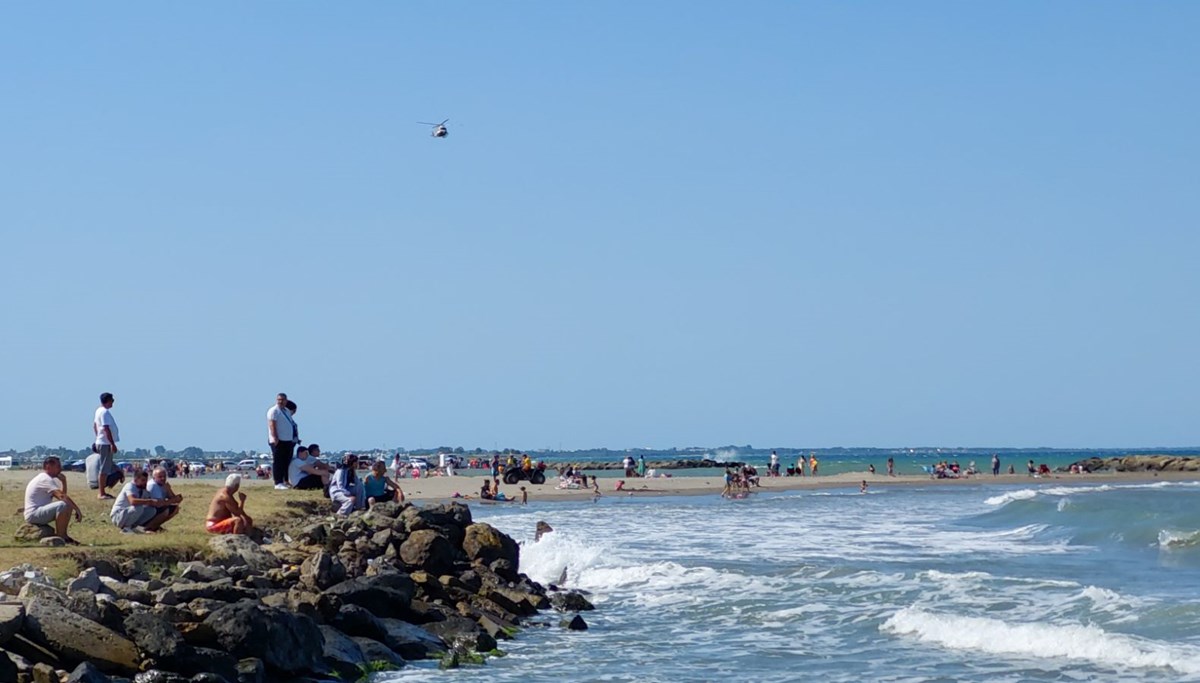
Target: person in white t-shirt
[
  {"x": 134, "y": 508},
  {"x": 282, "y": 436},
  {"x": 160, "y": 489},
  {"x": 306, "y": 472},
  {"x": 105, "y": 429},
  {"x": 47, "y": 502}
]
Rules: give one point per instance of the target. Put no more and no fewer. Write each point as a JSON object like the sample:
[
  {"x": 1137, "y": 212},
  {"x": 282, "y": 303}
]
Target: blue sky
[{"x": 662, "y": 224}]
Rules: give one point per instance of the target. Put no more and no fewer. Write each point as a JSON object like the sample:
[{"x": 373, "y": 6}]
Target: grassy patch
[{"x": 184, "y": 539}]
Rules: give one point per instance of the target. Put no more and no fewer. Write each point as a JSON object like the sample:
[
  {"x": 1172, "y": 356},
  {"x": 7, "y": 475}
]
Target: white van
[{"x": 6, "y": 462}]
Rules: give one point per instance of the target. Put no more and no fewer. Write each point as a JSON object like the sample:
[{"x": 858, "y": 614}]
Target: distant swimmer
[{"x": 863, "y": 489}]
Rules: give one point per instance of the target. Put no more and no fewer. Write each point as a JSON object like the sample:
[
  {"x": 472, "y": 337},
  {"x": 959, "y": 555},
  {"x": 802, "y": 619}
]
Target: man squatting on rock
[{"x": 46, "y": 500}]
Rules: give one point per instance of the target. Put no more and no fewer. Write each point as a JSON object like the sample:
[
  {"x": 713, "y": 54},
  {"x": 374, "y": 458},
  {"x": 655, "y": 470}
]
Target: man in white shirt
[
  {"x": 281, "y": 435},
  {"x": 46, "y": 502},
  {"x": 159, "y": 489},
  {"x": 134, "y": 508},
  {"x": 105, "y": 429},
  {"x": 306, "y": 472}
]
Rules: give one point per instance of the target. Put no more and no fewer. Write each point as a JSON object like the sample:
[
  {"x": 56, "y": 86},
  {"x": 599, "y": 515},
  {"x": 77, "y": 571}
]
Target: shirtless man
[{"x": 227, "y": 515}]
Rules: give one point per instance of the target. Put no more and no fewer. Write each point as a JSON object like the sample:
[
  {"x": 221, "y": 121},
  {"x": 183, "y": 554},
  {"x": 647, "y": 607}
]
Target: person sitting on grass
[
  {"x": 159, "y": 489},
  {"x": 134, "y": 508},
  {"x": 227, "y": 515},
  {"x": 377, "y": 487},
  {"x": 306, "y": 472},
  {"x": 345, "y": 490},
  {"x": 46, "y": 500}
]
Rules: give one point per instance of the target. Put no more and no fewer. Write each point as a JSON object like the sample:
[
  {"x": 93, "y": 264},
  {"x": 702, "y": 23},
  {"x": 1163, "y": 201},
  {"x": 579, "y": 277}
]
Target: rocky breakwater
[
  {"x": 1138, "y": 463},
  {"x": 329, "y": 600},
  {"x": 655, "y": 464}
]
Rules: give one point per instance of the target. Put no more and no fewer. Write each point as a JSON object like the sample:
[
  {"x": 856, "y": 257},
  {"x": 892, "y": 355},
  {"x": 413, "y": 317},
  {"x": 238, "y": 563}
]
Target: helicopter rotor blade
[
  {"x": 443, "y": 122},
  {"x": 426, "y": 123}
]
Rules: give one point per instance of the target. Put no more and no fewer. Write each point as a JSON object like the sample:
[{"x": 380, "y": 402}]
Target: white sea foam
[
  {"x": 1042, "y": 641},
  {"x": 1062, "y": 491},
  {"x": 1172, "y": 539}
]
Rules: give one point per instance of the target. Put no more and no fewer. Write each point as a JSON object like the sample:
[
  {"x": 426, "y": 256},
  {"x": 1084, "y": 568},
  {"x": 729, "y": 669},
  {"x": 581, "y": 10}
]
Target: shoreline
[{"x": 444, "y": 488}]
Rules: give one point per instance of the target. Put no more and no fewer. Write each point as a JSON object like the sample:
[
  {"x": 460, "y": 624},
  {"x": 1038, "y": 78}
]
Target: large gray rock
[
  {"x": 342, "y": 655},
  {"x": 87, "y": 580},
  {"x": 485, "y": 543},
  {"x": 235, "y": 550},
  {"x": 125, "y": 590},
  {"x": 570, "y": 601},
  {"x": 411, "y": 642},
  {"x": 462, "y": 634},
  {"x": 84, "y": 673},
  {"x": 376, "y": 651},
  {"x": 284, "y": 641},
  {"x": 79, "y": 640},
  {"x": 429, "y": 550},
  {"x": 222, "y": 590},
  {"x": 32, "y": 533},
  {"x": 322, "y": 570},
  {"x": 358, "y": 621},
  {"x": 8, "y": 667},
  {"x": 154, "y": 636},
  {"x": 387, "y": 594},
  {"x": 201, "y": 572},
  {"x": 12, "y": 615}
]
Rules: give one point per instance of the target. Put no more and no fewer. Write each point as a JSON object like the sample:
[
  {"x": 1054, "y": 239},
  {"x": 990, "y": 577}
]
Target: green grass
[{"x": 184, "y": 538}]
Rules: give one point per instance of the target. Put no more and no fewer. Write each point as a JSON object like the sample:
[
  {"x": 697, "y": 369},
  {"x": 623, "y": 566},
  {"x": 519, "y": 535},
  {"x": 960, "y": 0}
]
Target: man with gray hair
[
  {"x": 227, "y": 514},
  {"x": 160, "y": 490}
]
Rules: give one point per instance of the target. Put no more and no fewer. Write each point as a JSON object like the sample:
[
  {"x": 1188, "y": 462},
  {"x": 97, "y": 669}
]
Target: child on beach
[{"x": 377, "y": 487}]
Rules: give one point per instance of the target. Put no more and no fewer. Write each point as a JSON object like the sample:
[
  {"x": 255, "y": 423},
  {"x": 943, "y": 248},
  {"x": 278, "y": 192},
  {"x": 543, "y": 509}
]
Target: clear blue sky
[{"x": 653, "y": 224}]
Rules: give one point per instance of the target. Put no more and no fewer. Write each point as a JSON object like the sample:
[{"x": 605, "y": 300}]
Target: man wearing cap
[{"x": 227, "y": 515}]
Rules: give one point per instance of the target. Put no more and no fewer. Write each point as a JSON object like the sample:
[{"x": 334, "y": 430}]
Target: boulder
[
  {"x": 12, "y": 615},
  {"x": 387, "y": 594},
  {"x": 342, "y": 655},
  {"x": 322, "y": 570},
  {"x": 8, "y": 667},
  {"x": 79, "y": 640},
  {"x": 216, "y": 663},
  {"x": 87, "y": 580},
  {"x": 86, "y": 672},
  {"x": 222, "y": 590},
  {"x": 234, "y": 550},
  {"x": 156, "y": 676},
  {"x": 44, "y": 673},
  {"x": 570, "y": 601},
  {"x": 32, "y": 533},
  {"x": 429, "y": 550},
  {"x": 375, "y": 651},
  {"x": 575, "y": 623},
  {"x": 485, "y": 543},
  {"x": 154, "y": 636},
  {"x": 105, "y": 568},
  {"x": 201, "y": 572},
  {"x": 288, "y": 642},
  {"x": 462, "y": 634},
  {"x": 125, "y": 590},
  {"x": 411, "y": 642},
  {"x": 358, "y": 621},
  {"x": 251, "y": 670}
]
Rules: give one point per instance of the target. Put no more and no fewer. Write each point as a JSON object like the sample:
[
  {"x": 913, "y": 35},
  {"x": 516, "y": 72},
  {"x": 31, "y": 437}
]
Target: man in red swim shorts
[{"x": 227, "y": 515}]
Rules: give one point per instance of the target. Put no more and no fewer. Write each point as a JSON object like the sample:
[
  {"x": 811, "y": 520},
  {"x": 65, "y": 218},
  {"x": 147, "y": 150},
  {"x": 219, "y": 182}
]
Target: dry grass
[{"x": 183, "y": 538}]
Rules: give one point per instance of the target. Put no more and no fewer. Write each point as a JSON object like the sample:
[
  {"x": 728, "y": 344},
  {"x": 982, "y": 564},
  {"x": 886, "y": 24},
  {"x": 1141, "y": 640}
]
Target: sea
[{"x": 1059, "y": 581}]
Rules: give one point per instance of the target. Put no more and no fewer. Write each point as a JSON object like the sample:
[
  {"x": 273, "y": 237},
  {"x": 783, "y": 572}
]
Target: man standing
[
  {"x": 281, "y": 435},
  {"x": 46, "y": 500},
  {"x": 105, "y": 429}
]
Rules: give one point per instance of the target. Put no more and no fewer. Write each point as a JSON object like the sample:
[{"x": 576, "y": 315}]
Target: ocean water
[{"x": 962, "y": 583}]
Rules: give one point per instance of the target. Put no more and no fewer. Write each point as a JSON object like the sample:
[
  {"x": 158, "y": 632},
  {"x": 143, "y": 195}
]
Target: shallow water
[{"x": 979, "y": 583}]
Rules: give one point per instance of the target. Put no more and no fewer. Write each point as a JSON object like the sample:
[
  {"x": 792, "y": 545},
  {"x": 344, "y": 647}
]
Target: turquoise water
[{"x": 976, "y": 583}]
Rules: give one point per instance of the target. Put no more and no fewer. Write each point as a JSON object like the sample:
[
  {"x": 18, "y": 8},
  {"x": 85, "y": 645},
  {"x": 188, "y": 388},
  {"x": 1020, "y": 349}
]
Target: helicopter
[{"x": 439, "y": 129}]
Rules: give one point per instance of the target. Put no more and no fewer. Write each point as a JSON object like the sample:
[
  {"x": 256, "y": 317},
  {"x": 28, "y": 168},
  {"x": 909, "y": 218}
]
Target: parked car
[
  {"x": 198, "y": 467},
  {"x": 167, "y": 463},
  {"x": 249, "y": 464},
  {"x": 76, "y": 466}
]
